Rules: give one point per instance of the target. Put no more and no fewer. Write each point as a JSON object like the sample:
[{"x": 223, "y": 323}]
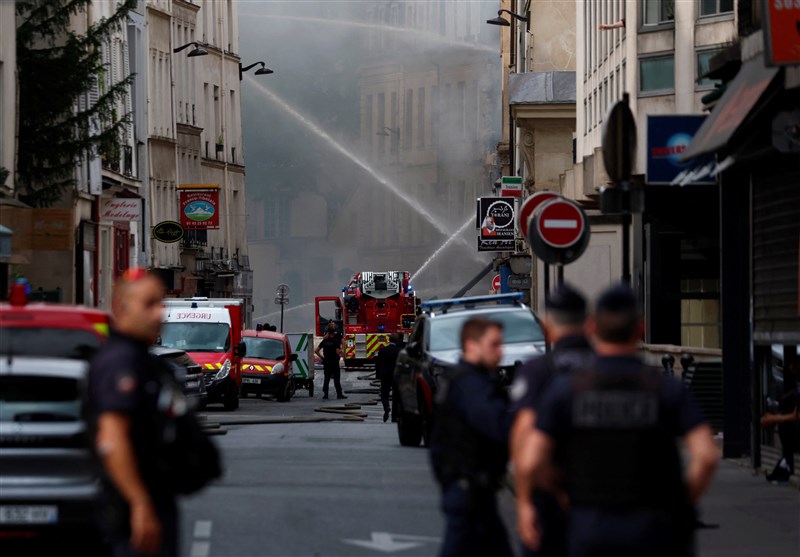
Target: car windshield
[
  {"x": 264, "y": 348},
  {"x": 76, "y": 344},
  {"x": 196, "y": 337},
  {"x": 39, "y": 399},
  {"x": 518, "y": 327}
]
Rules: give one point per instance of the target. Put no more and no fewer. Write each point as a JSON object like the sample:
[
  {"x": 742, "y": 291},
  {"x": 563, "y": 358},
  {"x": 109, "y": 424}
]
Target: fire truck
[{"x": 372, "y": 305}]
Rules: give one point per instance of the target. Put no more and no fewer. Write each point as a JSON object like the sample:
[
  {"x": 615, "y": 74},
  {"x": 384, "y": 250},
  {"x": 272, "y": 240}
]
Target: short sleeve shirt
[{"x": 329, "y": 347}]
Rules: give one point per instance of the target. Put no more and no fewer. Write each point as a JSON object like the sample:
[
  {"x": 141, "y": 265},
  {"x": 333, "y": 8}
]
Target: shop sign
[
  {"x": 199, "y": 209},
  {"x": 168, "y": 231},
  {"x": 782, "y": 32},
  {"x": 496, "y": 223},
  {"x": 668, "y": 136},
  {"x": 122, "y": 209}
]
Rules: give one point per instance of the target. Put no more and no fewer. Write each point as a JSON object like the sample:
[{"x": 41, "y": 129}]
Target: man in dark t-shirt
[
  {"x": 139, "y": 510},
  {"x": 330, "y": 350}
]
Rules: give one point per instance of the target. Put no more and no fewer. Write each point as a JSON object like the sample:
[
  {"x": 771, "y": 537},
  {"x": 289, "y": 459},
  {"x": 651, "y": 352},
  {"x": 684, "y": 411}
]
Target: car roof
[
  {"x": 55, "y": 316},
  {"x": 45, "y": 367},
  {"x": 478, "y": 311},
  {"x": 263, "y": 334}
]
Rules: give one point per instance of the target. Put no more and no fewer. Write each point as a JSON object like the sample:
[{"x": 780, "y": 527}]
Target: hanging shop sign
[
  {"x": 121, "y": 209},
  {"x": 496, "y": 223},
  {"x": 668, "y": 136},
  {"x": 199, "y": 209},
  {"x": 168, "y": 231},
  {"x": 782, "y": 32}
]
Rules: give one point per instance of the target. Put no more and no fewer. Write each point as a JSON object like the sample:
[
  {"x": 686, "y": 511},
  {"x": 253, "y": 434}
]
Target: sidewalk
[{"x": 755, "y": 518}]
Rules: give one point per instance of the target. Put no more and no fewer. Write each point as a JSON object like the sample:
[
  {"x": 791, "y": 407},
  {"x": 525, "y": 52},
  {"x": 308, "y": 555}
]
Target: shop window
[
  {"x": 703, "y": 60},
  {"x": 715, "y": 7},
  {"x": 700, "y": 315},
  {"x": 658, "y": 12},
  {"x": 657, "y": 74}
]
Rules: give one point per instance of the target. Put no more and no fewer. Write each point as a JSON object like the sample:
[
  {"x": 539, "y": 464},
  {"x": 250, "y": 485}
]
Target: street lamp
[
  {"x": 198, "y": 51},
  {"x": 504, "y": 22},
  {"x": 387, "y": 131},
  {"x": 263, "y": 70}
]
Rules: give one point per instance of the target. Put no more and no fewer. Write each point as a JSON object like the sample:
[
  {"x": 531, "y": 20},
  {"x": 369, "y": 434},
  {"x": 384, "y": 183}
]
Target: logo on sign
[
  {"x": 673, "y": 150},
  {"x": 199, "y": 211},
  {"x": 193, "y": 315},
  {"x": 168, "y": 231},
  {"x": 499, "y": 215}
]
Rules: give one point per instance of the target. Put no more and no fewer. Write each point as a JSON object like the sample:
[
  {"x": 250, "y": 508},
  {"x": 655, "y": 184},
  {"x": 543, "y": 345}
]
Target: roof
[
  {"x": 542, "y": 88},
  {"x": 46, "y": 367},
  {"x": 62, "y": 310},
  {"x": 263, "y": 334},
  {"x": 478, "y": 311}
]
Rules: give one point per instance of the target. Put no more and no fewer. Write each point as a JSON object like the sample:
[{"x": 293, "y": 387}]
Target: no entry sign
[
  {"x": 558, "y": 231},
  {"x": 496, "y": 283},
  {"x": 530, "y": 205},
  {"x": 560, "y": 223}
]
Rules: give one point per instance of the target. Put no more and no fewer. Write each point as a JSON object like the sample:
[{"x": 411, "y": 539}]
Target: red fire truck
[{"x": 372, "y": 305}]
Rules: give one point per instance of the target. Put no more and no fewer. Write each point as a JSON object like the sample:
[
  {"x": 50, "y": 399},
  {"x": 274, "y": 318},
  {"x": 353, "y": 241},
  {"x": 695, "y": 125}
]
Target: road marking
[
  {"x": 202, "y": 529},
  {"x": 200, "y": 549},
  {"x": 391, "y": 543},
  {"x": 560, "y": 223}
]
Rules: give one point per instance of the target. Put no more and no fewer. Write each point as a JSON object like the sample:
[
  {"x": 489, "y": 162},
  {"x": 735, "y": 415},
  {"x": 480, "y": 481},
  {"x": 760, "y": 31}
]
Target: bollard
[
  {"x": 686, "y": 361},
  {"x": 668, "y": 361}
]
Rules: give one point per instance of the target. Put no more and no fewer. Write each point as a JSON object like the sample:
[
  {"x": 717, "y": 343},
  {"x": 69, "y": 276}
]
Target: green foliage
[{"x": 56, "y": 66}]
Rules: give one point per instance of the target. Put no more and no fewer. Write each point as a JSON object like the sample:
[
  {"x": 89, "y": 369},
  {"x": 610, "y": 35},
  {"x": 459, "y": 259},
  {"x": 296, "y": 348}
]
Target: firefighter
[
  {"x": 329, "y": 351},
  {"x": 469, "y": 444},
  {"x": 616, "y": 426},
  {"x": 385, "y": 361}
]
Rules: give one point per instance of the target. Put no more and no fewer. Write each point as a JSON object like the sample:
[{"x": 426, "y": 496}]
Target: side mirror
[
  {"x": 293, "y": 357},
  {"x": 240, "y": 350},
  {"x": 413, "y": 349}
]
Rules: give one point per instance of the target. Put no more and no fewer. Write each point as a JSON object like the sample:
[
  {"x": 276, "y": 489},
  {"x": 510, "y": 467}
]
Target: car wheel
[
  {"x": 409, "y": 428},
  {"x": 286, "y": 395},
  {"x": 230, "y": 401},
  {"x": 426, "y": 423}
]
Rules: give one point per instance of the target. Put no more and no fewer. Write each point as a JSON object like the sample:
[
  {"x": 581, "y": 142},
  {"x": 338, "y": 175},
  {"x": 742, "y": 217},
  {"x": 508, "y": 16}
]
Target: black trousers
[
  {"x": 386, "y": 391},
  {"x": 332, "y": 371},
  {"x": 787, "y": 433},
  {"x": 474, "y": 527}
]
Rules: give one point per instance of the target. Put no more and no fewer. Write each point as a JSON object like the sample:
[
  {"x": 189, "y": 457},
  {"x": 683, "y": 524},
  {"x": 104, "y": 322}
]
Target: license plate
[
  {"x": 24, "y": 514},
  {"x": 192, "y": 384},
  {"x": 251, "y": 380}
]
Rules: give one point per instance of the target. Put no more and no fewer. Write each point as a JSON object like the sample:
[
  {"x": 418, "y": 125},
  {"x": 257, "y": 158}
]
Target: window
[
  {"x": 703, "y": 60},
  {"x": 408, "y": 119},
  {"x": 714, "y": 7},
  {"x": 394, "y": 141},
  {"x": 421, "y": 118},
  {"x": 368, "y": 120},
  {"x": 657, "y": 12},
  {"x": 461, "y": 103},
  {"x": 381, "y": 123},
  {"x": 657, "y": 74}
]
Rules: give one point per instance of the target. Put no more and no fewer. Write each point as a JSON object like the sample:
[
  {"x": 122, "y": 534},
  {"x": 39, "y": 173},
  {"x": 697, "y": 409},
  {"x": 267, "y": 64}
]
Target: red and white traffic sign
[
  {"x": 530, "y": 205},
  {"x": 496, "y": 283},
  {"x": 560, "y": 223}
]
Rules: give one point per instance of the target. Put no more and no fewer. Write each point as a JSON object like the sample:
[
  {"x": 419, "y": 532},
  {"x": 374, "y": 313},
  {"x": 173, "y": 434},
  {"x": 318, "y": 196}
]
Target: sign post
[{"x": 282, "y": 299}]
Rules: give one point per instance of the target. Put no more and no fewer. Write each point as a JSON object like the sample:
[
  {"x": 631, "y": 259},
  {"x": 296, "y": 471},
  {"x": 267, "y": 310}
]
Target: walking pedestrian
[
  {"x": 139, "y": 509},
  {"x": 385, "y": 362},
  {"x": 787, "y": 417},
  {"x": 616, "y": 425},
  {"x": 563, "y": 322},
  {"x": 330, "y": 350},
  {"x": 469, "y": 444}
]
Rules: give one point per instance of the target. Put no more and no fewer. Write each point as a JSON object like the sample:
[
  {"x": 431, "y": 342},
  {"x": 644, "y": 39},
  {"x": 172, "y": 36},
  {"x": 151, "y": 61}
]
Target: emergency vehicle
[
  {"x": 210, "y": 331},
  {"x": 372, "y": 305}
]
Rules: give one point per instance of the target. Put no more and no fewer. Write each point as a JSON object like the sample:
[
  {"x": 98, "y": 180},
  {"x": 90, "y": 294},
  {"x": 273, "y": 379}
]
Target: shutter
[
  {"x": 126, "y": 69},
  {"x": 776, "y": 250}
]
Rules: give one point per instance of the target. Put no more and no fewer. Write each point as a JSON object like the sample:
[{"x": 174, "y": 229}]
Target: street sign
[
  {"x": 619, "y": 142},
  {"x": 511, "y": 186},
  {"x": 282, "y": 290},
  {"x": 496, "y": 283},
  {"x": 520, "y": 282},
  {"x": 561, "y": 223},
  {"x": 558, "y": 231},
  {"x": 281, "y": 301},
  {"x": 529, "y": 206}
]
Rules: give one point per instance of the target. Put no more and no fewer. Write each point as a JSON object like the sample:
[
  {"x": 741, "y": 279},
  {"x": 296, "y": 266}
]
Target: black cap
[
  {"x": 618, "y": 298},
  {"x": 567, "y": 299}
]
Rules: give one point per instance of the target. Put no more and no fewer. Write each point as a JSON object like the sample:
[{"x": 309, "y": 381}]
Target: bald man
[{"x": 139, "y": 512}]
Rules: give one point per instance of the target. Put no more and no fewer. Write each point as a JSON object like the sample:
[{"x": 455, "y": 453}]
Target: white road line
[
  {"x": 202, "y": 529},
  {"x": 560, "y": 223},
  {"x": 200, "y": 549}
]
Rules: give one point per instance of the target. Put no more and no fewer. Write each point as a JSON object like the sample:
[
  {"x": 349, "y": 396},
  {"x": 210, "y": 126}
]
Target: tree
[{"x": 56, "y": 68}]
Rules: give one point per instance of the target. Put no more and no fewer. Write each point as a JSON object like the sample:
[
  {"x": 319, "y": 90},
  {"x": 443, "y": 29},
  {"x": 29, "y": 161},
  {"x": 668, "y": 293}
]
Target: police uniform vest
[
  {"x": 620, "y": 453},
  {"x": 458, "y": 451}
]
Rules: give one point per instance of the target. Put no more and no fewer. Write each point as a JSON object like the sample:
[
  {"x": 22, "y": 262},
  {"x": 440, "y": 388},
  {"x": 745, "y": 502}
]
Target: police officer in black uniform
[
  {"x": 563, "y": 323},
  {"x": 139, "y": 511},
  {"x": 469, "y": 445},
  {"x": 385, "y": 361},
  {"x": 616, "y": 427}
]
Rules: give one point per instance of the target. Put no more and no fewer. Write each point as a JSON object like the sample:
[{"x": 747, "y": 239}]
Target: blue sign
[{"x": 668, "y": 135}]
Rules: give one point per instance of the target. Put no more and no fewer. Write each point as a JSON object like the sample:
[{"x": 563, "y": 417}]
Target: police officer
[
  {"x": 563, "y": 323},
  {"x": 330, "y": 350},
  {"x": 139, "y": 511},
  {"x": 385, "y": 362},
  {"x": 469, "y": 444},
  {"x": 616, "y": 425}
]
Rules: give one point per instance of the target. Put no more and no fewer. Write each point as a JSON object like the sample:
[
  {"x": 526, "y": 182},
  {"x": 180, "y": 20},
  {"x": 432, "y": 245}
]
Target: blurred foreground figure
[
  {"x": 615, "y": 427},
  {"x": 563, "y": 322},
  {"x": 139, "y": 512},
  {"x": 469, "y": 445}
]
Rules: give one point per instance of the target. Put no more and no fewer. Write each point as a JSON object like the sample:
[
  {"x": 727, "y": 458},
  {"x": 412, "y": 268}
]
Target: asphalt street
[{"x": 315, "y": 489}]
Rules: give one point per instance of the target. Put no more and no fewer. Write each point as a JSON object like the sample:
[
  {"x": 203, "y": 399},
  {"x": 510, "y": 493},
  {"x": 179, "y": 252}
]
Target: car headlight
[
  {"x": 223, "y": 371},
  {"x": 277, "y": 369}
]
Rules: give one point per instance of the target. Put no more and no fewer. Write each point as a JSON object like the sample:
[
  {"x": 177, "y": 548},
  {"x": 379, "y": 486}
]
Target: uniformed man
[
  {"x": 330, "y": 350},
  {"x": 616, "y": 426},
  {"x": 469, "y": 444},
  {"x": 385, "y": 362},
  {"x": 563, "y": 323},
  {"x": 139, "y": 511}
]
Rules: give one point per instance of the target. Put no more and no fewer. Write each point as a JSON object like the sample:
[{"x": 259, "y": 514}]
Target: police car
[{"x": 434, "y": 345}]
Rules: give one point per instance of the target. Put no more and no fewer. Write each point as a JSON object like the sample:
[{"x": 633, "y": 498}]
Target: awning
[{"x": 742, "y": 94}]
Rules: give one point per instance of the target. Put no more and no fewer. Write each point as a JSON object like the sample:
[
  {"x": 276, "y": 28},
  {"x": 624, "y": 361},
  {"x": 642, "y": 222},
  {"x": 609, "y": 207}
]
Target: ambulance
[{"x": 210, "y": 331}]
